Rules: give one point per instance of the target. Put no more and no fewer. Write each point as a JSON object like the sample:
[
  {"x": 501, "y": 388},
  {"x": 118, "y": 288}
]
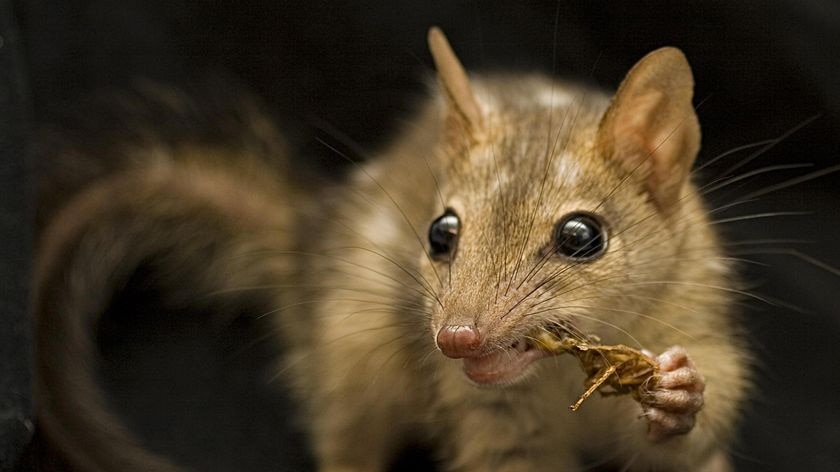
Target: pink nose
[{"x": 457, "y": 341}]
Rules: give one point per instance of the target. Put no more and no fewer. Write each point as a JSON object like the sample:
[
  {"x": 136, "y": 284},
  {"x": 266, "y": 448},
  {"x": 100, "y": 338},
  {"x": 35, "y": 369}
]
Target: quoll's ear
[
  {"x": 651, "y": 127},
  {"x": 463, "y": 115}
]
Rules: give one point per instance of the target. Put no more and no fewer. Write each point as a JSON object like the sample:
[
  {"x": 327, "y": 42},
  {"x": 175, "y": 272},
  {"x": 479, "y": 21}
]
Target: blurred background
[{"x": 350, "y": 73}]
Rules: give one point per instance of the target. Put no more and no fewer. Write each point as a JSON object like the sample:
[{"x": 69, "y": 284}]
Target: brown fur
[
  {"x": 193, "y": 209},
  {"x": 368, "y": 368},
  {"x": 361, "y": 329}
]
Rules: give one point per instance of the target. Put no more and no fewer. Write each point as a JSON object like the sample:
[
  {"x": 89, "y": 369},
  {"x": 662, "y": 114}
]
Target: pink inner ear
[
  {"x": 635, "y": 132},
  {"x": 656, "y": 140}
]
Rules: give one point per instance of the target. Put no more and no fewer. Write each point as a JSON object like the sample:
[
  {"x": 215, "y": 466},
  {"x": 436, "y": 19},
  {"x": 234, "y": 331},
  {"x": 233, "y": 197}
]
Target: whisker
[
  {"x": 319, "y": 300},
  {"x": 442, "y": 204},
  {"x": 752, "y": 173},
  {"x": 794, "y": 181},
  {"x": 364, "y": 267},
  {"x": 427, "y": 285},
  {"x": 394, "y": 202},
  {"x": 730, "y": 152},
  {"x": 311, "y": 352},
  {"x": 770, "y": 145},
  {"x": 602, "y": 322},
  {"x": 642, "y": 315},
  {"x": 709, "y": 286},
  {"x": 754, "y": 216},
  {"x": 549, "y": 157},
  {"x": 278, "y": 287},
  {"x": 801, "y": 256}
]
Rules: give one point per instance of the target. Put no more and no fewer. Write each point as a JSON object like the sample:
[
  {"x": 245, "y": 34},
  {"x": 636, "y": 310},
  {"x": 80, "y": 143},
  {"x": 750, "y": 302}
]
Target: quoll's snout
[{"x": 458, "y": 341}]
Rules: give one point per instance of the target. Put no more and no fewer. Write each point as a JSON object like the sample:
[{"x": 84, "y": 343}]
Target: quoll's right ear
[
  {"x": 464, "y": 118},
  {"x": 651, "y": 128}
]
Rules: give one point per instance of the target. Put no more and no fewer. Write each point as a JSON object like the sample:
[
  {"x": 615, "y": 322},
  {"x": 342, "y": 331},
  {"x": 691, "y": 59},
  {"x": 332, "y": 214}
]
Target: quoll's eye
[
  {"x": 580, "y": 236},
  {"x": 443, "y": 235}
]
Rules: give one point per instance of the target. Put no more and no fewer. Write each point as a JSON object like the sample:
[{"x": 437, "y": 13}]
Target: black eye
[
  {"x": 580, "y": 236},
  {"x": 443, "y": 235}
]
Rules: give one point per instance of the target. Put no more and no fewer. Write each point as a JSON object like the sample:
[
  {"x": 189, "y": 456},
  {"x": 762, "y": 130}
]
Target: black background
[
  {"x": 15, "y": 246},
  {"x": 761, "y": 68}
]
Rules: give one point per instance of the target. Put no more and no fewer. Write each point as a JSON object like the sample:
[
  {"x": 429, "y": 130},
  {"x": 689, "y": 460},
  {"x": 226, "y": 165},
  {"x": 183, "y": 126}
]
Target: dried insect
[{"x": 610, "y": 369}]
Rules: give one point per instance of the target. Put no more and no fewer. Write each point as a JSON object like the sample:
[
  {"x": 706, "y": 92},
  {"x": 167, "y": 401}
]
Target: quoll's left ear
[
  {"x": 651, "y": 127},
  {"x": 464, "y": 117}
]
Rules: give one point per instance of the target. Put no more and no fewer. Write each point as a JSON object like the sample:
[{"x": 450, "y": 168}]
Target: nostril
[{"x": 459, "y": 341}]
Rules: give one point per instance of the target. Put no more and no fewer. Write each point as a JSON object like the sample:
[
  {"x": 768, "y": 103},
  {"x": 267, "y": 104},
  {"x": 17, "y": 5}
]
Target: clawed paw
[{"x": 671, "y": 406}]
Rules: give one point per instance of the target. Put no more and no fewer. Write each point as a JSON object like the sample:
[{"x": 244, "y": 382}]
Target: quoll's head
[{"x": 557, "y": 205}]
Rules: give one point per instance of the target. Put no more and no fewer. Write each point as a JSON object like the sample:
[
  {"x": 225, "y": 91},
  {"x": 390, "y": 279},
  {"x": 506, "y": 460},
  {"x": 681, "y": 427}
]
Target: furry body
[
  {"x": 359, "y": 301},
  {"x": 370, "y": 369}
]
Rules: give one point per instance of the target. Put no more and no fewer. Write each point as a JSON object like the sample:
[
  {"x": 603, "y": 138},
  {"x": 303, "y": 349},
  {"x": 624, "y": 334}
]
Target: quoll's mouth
[{"x": 504, "y": 366}]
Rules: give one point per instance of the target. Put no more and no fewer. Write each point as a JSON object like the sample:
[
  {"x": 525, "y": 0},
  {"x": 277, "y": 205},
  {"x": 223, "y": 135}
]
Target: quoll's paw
[{"x": 673, "y": 404}]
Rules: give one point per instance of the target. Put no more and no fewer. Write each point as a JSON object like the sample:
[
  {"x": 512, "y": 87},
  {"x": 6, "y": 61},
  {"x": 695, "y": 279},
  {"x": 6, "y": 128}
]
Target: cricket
[{"x": 610, "y": 369}]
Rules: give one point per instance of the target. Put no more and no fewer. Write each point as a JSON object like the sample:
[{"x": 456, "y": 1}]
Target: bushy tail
[{"x": 193, "y": 215}]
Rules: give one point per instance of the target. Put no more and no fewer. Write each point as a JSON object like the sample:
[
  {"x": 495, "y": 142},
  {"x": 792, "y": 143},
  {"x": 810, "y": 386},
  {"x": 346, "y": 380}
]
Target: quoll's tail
[{"x": 194, "y": 215}]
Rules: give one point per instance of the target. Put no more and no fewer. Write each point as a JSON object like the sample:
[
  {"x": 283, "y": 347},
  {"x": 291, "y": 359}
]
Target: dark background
[{"x": 339, "y": 70}]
